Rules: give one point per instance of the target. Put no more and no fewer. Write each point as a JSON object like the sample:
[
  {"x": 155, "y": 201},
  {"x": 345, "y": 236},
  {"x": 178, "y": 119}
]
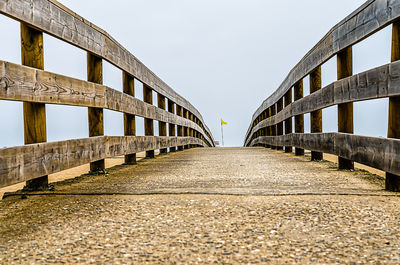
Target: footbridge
[{"x": 173, "y": 197}]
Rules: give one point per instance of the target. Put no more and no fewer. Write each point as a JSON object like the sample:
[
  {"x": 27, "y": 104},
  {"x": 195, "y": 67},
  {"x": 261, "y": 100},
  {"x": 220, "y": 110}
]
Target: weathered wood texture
[
  {"x": 179, "y": 112},
  {"x": 22, "y": 83},
  {"x": 316, "y": 116},
  {"x": 55, "y": 19},
  {"x": 380, "y": 153},
  {"x": 162, "y": 126},
  {"x": 279, "y": 126},
  {"x": 186, "y": 130},
  {"x": 95, "y": 115},
  {"x": 392, "y": 181},
  {"x": 22, "y": 163},
  {"x": 345, "y": 110},
  {"x": 171, "y": 126},
  {"x": 128, "y": 84},
  {"x": 288, "y": 122},
  {"x": 380, "y": 82},
  {"x": 298, "y": 119},
  {"x": 371, "y": 17},
  {"x": 148, "y": 123},
  {"x": 34, "y": 113}
]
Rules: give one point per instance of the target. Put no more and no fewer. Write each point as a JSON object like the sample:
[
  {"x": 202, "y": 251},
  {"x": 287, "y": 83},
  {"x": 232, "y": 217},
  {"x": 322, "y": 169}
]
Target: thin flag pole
[{"x": 222, "y": 133}]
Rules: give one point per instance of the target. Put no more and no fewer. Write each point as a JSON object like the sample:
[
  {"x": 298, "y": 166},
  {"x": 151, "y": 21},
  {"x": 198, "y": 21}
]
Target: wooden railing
[
  {"x": 35, "y": 87},
  {"x": 271, "y": 124}
]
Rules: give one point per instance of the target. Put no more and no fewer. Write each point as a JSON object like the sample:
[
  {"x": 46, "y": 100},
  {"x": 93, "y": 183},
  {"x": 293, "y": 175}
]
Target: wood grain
[
  {"x": 392, "y": 182},
  {"x": 371, "y": 17},
  {"x": 171, "y": 126},
  {"x": 95, "y": 115},
  {"x": 128, "y": 85},
  {"x": 34, "y": 113},
  {"x": 380, "y": 153},
  {"x": 279, "y": 126},
  {"x": 162, "y": 126},
  {"x": 55, "y": 19},
  {"x": 288, "y": 121},
  {"x": 22, "y": 163},
  {"x": 179, "y": 112},
  {"x": 148, "y": 123},
  {"x": 316, "y": 116},
  {"x": 380, "y": 82},
  {"x": 345, "y": 110},
  {"x": 31, "y": 85},
  {"x": 298, "y": 119}
]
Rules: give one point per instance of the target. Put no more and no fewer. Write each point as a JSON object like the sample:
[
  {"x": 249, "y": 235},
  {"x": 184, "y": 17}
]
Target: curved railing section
[
  {"x": 271, "y": 124},
  {"x": 35, "y": 87}
]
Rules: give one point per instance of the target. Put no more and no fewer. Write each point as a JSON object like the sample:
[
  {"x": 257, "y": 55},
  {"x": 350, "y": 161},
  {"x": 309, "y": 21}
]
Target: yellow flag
[{"x": 223, "y": 122}]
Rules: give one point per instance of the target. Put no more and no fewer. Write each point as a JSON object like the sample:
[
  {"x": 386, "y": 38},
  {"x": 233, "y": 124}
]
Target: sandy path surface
[{"x": 225, "y": 205}]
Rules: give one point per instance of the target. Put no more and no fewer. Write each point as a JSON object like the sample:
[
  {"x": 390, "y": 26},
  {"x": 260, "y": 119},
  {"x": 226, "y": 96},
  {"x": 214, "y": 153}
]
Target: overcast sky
[{"x": 224, "y": 56}]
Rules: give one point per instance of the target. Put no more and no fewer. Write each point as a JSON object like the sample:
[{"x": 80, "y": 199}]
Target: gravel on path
[{"x": 254, "y": 226}]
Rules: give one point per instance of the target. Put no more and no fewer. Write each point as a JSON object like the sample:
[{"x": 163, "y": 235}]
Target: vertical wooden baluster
[
  {"x": 279, "y": 108},
  {"x": 128, "y": 84},
  {"x": 179, "y": 112},
  {"x": 171, "y": 126},
  {"x": 268, "y": 128},
  {"x": 392, "y": 180},
  {"x": 273, "y": 127},
  {"x": 95, "y": 115},
  {"x": 345, "y": 111},
  {"x": 162, "y": 126},
  {"x": 34, "y": 113},
  {"x": 265, "y": 129},
  {"x": 148, "y": 123},
  {"x": 316, "y": 116},
  {"x": 299, "y": 119},
  {"x": 186, "y": 129},
  {"x": 191, "y": 131},
  {"x": 288, "y": 122}
]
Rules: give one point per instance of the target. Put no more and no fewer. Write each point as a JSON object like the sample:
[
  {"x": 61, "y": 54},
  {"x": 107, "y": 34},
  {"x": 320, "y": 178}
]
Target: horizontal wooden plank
[
  {"x": 22, "y": 163},
  {"x": 380, "y": 153},
  {"x": 371, "y": 17},
  {"x": 21, "y": 83},
  {"x": 380, "y": 82},
  {"x": 55, "y": 19}
]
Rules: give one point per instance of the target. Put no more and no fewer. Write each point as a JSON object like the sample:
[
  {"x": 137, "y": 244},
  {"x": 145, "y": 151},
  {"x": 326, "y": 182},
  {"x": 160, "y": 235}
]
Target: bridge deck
[{"x": 180, "y": 207}]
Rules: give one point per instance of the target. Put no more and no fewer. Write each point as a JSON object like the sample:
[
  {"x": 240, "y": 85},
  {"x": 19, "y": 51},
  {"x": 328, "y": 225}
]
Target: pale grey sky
[{"x": 224, "y": 56}]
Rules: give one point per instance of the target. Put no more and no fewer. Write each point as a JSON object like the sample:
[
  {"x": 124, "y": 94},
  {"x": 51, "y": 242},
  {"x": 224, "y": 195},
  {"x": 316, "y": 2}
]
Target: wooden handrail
[
  {"x": 53, "y": 18},
  {"x": 382, "y": 82},
  {"x": 371, "y": 17},
  {"x": 23, "y": 163},
  {"x": 371, "y": 151},
  {"x": 35, "y": 87}
]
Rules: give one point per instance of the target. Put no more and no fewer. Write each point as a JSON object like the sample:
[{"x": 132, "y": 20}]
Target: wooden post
[
  {"x": 345, "y": 111},
  {"x": 191, "y": 131},
  {"x": 171, "y": 126},
  {"x": 316, "y": 116},
  {"x": 392, "y": 182},
  {"x": 162, "y": 126},
  {"x": 95, "y": 115},
  {"x": 128, "y": 83},
  {"x": 148, "y": 123},
  {"x": 268, "y": 128},
  {"x": 186, "y": 129},
  {"x": 179, "y": 112},
  {"x": 299, "y": 119},
  {"x": 273, "y": 127},
  {"x": 34, "y": 113},
  {"x": 279, "y": 127},
  {"x": 288, "y": 122}
]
